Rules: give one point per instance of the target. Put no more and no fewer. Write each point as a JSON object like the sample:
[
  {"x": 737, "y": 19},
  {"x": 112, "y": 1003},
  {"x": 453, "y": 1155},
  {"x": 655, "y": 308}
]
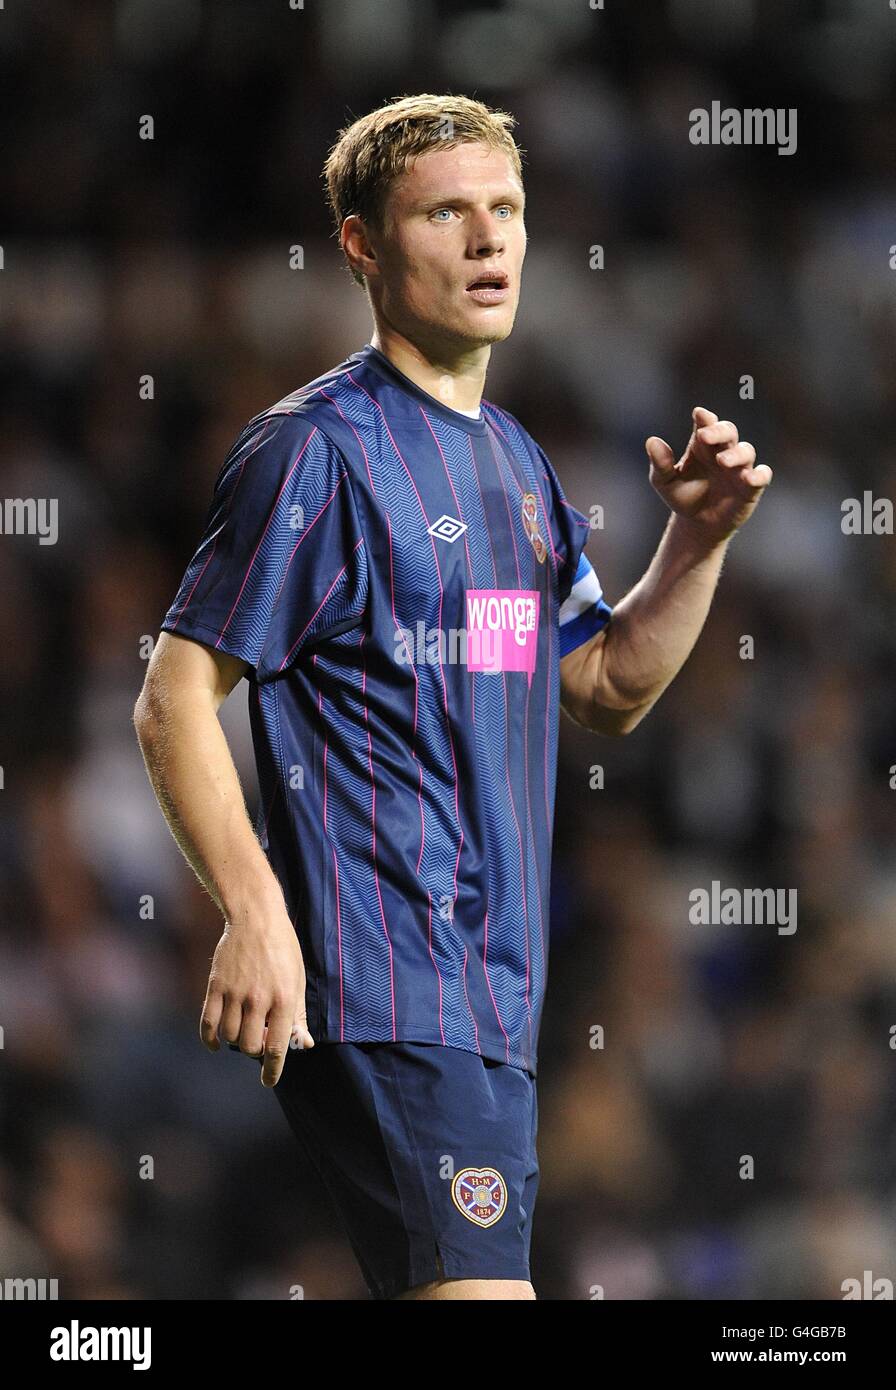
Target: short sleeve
[
  {"x": 583, "y": 610},
  {"x": 282, "y": 560}
]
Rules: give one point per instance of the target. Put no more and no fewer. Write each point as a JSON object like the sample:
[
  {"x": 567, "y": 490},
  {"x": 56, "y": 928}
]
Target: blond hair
[{"x": 372, "y": 151}]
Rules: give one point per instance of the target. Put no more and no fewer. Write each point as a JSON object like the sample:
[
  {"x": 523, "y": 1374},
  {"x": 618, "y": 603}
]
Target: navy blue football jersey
[{"x": 402, "y": 581}]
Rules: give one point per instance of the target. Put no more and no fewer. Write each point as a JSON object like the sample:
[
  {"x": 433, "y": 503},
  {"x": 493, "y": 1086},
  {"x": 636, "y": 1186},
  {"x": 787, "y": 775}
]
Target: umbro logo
[{"x": 447, "y": 528}]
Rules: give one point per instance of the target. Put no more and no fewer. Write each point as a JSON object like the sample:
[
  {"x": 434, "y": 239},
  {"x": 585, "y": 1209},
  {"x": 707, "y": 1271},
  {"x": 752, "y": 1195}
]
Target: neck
[{"x": 455, "y": 380}]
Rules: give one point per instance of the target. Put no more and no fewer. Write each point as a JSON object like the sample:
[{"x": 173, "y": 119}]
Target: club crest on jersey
[
  {"x": 481, "y": 1194},
  {"x": 530, "y": 522}
]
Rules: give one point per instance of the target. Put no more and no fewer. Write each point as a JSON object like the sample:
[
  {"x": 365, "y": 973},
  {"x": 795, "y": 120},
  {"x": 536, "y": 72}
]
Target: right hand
[{"x": 256, "y": 994}]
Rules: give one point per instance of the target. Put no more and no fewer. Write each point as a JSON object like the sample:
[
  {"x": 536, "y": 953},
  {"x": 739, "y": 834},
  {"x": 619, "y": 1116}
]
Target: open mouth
[{"x": 491, "y": 287}]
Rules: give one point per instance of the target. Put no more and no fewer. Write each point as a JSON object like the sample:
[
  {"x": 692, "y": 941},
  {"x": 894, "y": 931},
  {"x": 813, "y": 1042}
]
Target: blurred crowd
[{"x": 717, "y": 1103}]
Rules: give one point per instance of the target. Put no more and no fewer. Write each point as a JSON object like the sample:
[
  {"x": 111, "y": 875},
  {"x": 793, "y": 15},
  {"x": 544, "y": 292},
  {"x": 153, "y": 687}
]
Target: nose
[{"x": 487, "y": 236}]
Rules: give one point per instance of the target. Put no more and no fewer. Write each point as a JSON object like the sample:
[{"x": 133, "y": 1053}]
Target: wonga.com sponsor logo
[{"x": 502, "y": 629}]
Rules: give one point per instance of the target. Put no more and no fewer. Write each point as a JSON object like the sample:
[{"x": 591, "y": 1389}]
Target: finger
[
  {"x": 722, "y": 432},
  {"x": 701, "y": 416},
  {"x": 231, "y": 1019},
  {"x": 276, "y": 1044},
  {"x": 301, "y": 1039},
  {"x": 211, "y": 1017},
  {"x": 252, "y": 1030},
  {"x": 300, "y": 1023},
  {"x": 742, "y": 455},
  {"x": 660, "y": 455},
  {"x": 758, "y": 477}
]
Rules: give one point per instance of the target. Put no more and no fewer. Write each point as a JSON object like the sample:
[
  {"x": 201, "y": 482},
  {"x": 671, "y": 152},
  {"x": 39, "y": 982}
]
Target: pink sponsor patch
[{"x": 502, "y": 629}]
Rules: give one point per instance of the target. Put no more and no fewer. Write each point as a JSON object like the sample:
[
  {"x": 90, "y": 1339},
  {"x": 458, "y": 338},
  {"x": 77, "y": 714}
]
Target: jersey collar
[{"x": 373, "y": 358}]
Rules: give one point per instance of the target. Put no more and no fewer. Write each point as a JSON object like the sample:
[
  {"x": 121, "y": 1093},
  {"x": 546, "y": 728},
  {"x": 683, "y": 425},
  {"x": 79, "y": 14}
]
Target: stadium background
[{"x": 170, "y": 257}]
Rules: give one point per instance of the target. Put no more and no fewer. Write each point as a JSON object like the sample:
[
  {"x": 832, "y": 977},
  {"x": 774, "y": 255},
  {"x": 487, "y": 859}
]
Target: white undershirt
[{"x": 473, "y": 414}]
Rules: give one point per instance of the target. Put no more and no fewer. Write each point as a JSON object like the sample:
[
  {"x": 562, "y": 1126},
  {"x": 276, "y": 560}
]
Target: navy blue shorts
[{"x": 428, "y": 1153}]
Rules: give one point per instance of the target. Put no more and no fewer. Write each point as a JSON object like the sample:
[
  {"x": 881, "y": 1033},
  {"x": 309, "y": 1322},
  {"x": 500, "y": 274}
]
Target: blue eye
[
  {"x": 506, "y": 208},
  {"x": 438, "y": 210}
]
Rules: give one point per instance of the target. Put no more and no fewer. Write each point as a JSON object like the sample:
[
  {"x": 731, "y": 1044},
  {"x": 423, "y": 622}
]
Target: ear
[{"x": 356, "y": 247}]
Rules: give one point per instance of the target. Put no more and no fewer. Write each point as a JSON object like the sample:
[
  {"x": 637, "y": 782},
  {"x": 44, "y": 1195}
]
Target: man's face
[{"x": 455, "y": 216}]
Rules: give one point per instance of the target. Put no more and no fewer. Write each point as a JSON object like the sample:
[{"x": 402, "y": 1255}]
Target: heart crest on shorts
[{"x": 481, "y": 1194}]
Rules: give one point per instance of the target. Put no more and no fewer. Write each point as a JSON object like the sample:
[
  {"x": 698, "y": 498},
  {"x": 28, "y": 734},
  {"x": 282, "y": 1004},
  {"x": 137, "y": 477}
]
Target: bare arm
[
  {"x": 610, "y": 682},
  {"x": 256, "y": 989}
]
